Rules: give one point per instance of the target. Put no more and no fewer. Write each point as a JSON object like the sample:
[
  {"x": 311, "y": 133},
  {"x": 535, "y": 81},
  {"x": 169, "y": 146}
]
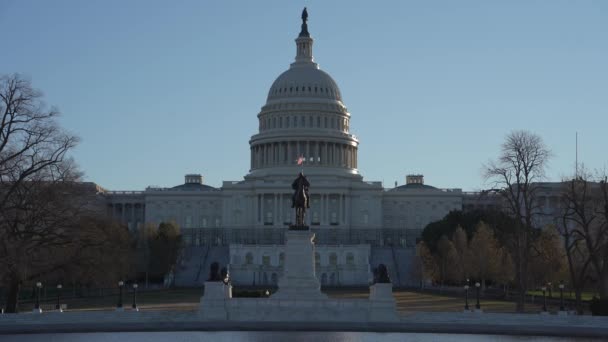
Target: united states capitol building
[{"x": 358, "y": 223}]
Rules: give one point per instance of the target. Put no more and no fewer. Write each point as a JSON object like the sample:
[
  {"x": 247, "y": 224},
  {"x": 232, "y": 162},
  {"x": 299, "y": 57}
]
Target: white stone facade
[{"x": 304, "y": 117}]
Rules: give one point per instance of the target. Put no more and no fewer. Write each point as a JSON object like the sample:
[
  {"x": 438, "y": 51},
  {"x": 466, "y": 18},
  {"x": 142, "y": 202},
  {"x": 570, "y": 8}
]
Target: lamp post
[
  {"x": 466, "y": 297},
  {"x": 134, "y": 306},
  {"x": 477, "y": 306},
  {"x": 37, "y": 304},
  {"x": 561, "y": 297},
  {"x": 120, "y": 286},
  {"x": 58, "y": 305},
  {"x": 544, "y": 298},
  {"x": 550, "y": 289}
]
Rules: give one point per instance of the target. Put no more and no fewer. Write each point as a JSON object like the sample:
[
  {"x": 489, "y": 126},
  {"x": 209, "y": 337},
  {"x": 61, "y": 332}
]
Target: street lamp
[
  {"x": 466, "y": 297},
  {"x": 544, "y": 298},
  {"x": 134, "y": 306},
  {"x": 120, "y": 286},
  {"x": 561, "y": 296},
  {"x": 477, "y": 306},
  {"x": 58, "y": 306},
  {"x": 37, "y": 304}
]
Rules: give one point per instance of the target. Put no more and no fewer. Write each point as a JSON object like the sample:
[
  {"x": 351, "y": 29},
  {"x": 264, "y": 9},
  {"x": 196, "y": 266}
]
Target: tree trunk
[{"x": 12, "y": 296}]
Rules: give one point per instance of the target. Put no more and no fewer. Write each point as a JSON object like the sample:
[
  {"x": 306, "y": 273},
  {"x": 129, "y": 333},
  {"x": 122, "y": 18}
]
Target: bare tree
[
  {"x": 43, "y": 206},
  {"x": 516, "y": 173}
]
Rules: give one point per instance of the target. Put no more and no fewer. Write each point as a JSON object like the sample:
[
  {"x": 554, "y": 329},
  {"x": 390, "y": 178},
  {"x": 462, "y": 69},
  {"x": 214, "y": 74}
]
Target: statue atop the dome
[
  {"x": 300, "y": 200},
  {"x": 304, "y": 32}
]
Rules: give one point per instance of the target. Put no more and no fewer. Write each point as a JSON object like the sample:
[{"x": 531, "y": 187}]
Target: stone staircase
[{"x": 194, "y": 267}]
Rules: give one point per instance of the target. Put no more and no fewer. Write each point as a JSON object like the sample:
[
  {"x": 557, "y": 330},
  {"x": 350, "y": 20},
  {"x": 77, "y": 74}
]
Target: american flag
[{"x": 300, "y": 160}]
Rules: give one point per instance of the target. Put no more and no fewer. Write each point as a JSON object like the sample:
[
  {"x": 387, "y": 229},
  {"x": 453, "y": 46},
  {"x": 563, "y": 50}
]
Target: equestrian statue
[{"x": 300, "y": 200}]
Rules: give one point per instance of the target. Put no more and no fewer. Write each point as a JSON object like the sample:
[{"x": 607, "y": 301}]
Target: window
[
  {"x": 333, "y": 259},
  {"x": 317, "y": 259},
  {"x": 249, "y": 258},
  {"x": 266, "y": 260},
  {"x": 334, "y": 218},
  {"x": 303, "y": 121},
  {"x": 188, "y": 223},
  {"x": 318, "y": 121},
  {"x": 350, "y": 259},
  {"x": 217, "y": 222},
  {"x": 287, "y": 121},
  {"x": 281, "y": 259},
  {"x": 365, "y": 218}
]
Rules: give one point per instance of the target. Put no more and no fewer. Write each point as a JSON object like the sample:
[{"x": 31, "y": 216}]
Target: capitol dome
[
  {"x": 304, "y": 123},
  {"x": 304, "y": 81}
]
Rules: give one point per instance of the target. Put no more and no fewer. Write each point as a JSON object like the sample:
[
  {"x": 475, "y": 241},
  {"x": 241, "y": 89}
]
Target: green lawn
[{"x": 188, "y": 299}]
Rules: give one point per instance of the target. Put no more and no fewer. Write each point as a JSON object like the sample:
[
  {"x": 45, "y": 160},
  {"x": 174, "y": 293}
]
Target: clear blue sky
[{"x": 157, "y": 89}]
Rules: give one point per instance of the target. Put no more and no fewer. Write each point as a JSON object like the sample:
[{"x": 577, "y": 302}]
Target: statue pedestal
[
  {"x": 299, "y": 280},
  {"x": 213, "y": 301},
  {"x": 382, "y": 303}
]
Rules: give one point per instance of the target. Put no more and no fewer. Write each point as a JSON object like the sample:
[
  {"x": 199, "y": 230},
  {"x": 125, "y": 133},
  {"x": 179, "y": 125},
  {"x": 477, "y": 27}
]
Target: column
[
  {"x": 325, "y": 160},
  {"x": 262, "y": 213},
  {"x": 276, "y": 209},
  {"x": 281, "y": 220},
  {"x": 340, "y": 215},
  {"x": 307, "y": 152},
  {"x": 256, "y": 208},
  {"x": 348, "y": 204}
]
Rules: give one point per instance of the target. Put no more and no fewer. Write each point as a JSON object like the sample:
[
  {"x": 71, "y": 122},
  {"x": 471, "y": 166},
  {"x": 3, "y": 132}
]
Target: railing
[
  {"x": 124, "y": 192},
  {"x": 276, "y": 236}
]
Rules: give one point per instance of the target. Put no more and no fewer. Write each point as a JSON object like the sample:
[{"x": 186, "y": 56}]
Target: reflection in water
[{"x": 269, "y": 336}]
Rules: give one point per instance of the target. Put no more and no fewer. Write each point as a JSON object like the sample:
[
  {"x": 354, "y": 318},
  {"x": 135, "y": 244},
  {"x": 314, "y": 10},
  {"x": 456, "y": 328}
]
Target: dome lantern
[{"x": 304, "y": 45}]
